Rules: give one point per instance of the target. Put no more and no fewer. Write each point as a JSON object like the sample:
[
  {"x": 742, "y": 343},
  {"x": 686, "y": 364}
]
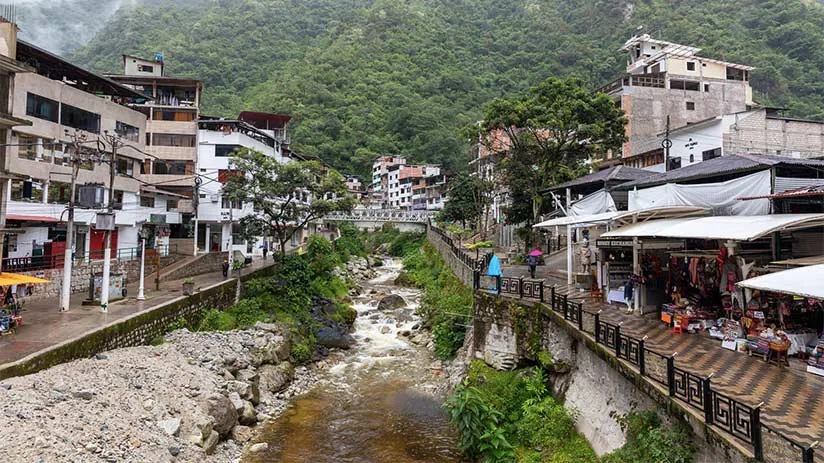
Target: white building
[{"x": 217, "y": 217}]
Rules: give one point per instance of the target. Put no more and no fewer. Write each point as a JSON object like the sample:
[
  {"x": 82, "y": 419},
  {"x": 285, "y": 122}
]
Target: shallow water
[{"x": 375, "y": 403}]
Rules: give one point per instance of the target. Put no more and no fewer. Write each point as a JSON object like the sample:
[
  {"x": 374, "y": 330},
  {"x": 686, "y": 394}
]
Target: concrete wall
[{"x": 458, "y": 267}]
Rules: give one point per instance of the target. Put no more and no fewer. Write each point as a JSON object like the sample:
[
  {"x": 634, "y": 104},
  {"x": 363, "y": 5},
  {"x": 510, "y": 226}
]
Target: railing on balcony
[{"x": 35, "y": 263}]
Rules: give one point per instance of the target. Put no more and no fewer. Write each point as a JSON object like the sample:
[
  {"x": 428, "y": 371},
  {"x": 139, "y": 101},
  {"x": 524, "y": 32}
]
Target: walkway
[
  {"x": 45, "y": 326},
  {"x": 793, "y": 399}
]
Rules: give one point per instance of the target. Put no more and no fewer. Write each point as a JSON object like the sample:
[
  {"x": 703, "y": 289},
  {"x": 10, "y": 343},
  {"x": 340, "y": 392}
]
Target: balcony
[{"x": 636, "y": 80}]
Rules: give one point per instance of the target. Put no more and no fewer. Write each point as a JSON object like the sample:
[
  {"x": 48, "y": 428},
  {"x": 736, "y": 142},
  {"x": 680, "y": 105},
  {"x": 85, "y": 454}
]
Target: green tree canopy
[{"x": 286, "y": 196}]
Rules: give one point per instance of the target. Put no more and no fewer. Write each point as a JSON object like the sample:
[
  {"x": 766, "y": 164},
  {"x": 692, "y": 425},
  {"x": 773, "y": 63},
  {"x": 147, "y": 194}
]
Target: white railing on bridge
[{"x": 381, "y": 215}]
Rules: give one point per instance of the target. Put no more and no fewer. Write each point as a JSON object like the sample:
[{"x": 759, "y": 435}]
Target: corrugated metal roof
[
  {"x": 812, "y": 190},
  {"x": 613, "y": 174},
  {"x": 724, "y": 165}
]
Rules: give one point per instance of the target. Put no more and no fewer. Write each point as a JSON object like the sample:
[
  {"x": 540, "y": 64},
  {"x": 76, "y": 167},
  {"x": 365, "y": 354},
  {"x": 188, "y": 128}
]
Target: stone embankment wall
[
  {"x": 461, "y": 270},
  {"x": 135, "y": 330}
]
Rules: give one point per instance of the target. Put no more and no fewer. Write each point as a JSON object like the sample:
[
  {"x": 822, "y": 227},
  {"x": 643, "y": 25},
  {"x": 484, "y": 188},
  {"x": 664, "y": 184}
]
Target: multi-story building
[
  {"x": 60, "y": 100},
  {"x": 487, "y": 155},
  {"x": 217, "y": 216},
  {"x": 671, "y": 82},
  {"x": 171, "y": 107},
  {"x": 435, "y": 183},
  {"x": 378, "y": 194},
  {"x": 354, "y": 186}
]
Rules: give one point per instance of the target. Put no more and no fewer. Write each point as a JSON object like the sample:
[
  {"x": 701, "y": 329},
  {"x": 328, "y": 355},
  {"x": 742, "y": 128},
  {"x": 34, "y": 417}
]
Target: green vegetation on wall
[
  {"x": 373, "y": 77},
  {"x": 446, "y": 305}
]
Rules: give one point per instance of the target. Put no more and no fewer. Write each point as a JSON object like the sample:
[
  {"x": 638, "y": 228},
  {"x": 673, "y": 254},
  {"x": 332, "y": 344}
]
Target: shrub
[
  {"x": 480, "y": 434},
  {"x": 650, "y": 442}
]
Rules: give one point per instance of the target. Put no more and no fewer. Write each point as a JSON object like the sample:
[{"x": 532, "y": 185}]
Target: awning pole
[{"x": 569, "y": 241}]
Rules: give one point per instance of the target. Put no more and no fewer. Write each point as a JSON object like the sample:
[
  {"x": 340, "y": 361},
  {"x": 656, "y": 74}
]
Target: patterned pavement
[{"x": 793, "y": 399}]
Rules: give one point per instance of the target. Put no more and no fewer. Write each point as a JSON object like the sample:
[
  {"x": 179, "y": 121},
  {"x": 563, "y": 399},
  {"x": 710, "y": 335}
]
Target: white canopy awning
[
  {"x": 802, "y": 281},
  {"x": 623, "y": 217},
  {"x": 735, "y": 228}
]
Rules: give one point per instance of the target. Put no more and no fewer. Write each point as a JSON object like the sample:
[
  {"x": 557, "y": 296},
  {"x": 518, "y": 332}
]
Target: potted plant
[{"x": 188, "y": 286}]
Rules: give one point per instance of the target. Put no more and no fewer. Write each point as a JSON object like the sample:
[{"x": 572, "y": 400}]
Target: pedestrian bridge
[{"x": 370, "y": 219}]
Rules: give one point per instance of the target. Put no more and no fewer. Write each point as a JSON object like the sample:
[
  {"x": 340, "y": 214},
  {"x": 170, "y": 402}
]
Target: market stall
[
  {"x": 14, "y": 285},
  {"x": 790, "y": 307}
]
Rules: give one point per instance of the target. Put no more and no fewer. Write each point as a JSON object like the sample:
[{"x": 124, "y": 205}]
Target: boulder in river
[
  {"x": 334, "y": 337},
  {"x": 275, "y": 378},
  {"x": 391, "y": 302}
]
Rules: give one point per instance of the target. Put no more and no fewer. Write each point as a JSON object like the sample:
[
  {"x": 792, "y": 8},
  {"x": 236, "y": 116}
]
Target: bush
[
  {"x": 650, "y": 442},
  {"x": 479, "y": 431},
  {"x": 349, "y": 244}
]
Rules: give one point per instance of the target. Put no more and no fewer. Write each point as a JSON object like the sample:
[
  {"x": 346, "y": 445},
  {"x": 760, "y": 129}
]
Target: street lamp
[{"x": 140, "y": 295}]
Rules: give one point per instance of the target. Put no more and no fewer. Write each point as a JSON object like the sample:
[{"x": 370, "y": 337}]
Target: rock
[
  {"x": 210, "y": 443},
  {"x": 224, "y": 414},
  {"x": 259, "y": 447},
  {"x": 385, "y": 329},
  {"x": 271, "y": 327},
  {"x": 278, "y": 349},
  {"x": 242, "y": 433},
  {"x": 84, "y": 394},
  {"x": 174, "y": 450},
  {"x": 148, "y": 404},
  {"x": 247, "y": 415},
  {"x": 391, "y": 302},
  {"x": 170, "y": 427},
  {"x": 405, "y": 333},
  {"x": 196, "y": 426},
  {"x": 101, "y": 357},
  {"x": 334, "y": 337},
  {"x": 243, "y": 389},
  {"x": 275, "y": 378}
]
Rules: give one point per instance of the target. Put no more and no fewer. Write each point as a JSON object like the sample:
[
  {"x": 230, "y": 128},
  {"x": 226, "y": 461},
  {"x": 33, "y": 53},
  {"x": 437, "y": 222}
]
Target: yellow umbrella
[{"x": 7, "y": 279}]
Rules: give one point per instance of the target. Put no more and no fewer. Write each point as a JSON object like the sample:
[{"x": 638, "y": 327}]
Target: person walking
[
  {"x": 265, "y": 249},
  {"x": 532, "y": 261},
  {"x": 225, "y": 268}
]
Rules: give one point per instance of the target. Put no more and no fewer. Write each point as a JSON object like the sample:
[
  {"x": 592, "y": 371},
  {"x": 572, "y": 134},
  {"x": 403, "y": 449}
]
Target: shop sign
[
  {"x": 613, "y": 243},
  {"x": 157, "y": 218}
]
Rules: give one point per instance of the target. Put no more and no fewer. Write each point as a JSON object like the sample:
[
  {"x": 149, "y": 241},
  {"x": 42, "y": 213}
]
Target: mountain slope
[{"x": 369, "y": 77}]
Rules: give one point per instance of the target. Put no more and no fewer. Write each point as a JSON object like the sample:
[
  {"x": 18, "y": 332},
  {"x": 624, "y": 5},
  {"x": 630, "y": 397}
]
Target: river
[{"x": 376, "y": 402}]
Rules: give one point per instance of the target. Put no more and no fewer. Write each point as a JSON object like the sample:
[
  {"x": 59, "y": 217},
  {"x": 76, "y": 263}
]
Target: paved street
[{"x": 44, "y": 325}]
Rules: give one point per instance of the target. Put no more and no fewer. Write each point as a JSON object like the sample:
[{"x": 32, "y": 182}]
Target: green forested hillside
[{"x": 369, "y": 77}]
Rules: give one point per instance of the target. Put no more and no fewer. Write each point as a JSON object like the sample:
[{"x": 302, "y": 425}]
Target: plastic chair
[{"x": 677, "y": 328}]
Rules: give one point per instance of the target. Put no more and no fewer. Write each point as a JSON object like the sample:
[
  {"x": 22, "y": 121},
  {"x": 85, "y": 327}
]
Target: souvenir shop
[
  {"x": 13, "y": 287},
  {"x": 784, "y": 317}
]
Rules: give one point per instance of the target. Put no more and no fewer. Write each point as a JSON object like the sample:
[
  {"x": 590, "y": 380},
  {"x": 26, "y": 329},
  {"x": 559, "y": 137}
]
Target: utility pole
[
  {"x": 77, "y": 139},
  {"x": 115, "y": 142},
  {"x": 140, "y": 289},
  {"x": 667, "y": 144}
]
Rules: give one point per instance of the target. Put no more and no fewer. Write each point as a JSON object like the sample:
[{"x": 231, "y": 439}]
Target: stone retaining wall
[
  {"x": 135, "y": 330},
  {"x": 463, "y": 272}
]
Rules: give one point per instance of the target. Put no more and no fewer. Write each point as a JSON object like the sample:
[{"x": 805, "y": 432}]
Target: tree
[
  {"x": 544, "y": 137},
  {"x": 469, "y": 198},
  {"x": 285, "y": 196}
]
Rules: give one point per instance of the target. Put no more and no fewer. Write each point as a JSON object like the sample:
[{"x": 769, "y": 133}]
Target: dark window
[
  {"x": 706, "y": 87},
  {"x": 692, "y": 158},
  {"x": 710, "y": 154},
  {"x": 42, "y": 107},
  {"x": 59, "y": 192},
  {"x": 129, "y": 132},
  {"x": 145, "y": 68},
  {"x": 685, "y": 85},
  {"x": 222, "y": 151},
  {"x": 26, "y": 190},
  {"x": 147, "y": 201},
  {"x": 167, "y": 139},
  {"x": 172, "y": 168},
  {"x": 674, "y": 163},
  {"x": 118, "y": 199},
  {"x": 735, "y": 74},
  {"x": 178, "y": 116},
  {"x": 225, "y": 203},
  {"x": 80, "y": 119},
  {"x": 690, "y": 65},
  {"x": 125, "y": 167},
  {"x": 690, "y": 106},
  {"x": 171, "y": 205}
]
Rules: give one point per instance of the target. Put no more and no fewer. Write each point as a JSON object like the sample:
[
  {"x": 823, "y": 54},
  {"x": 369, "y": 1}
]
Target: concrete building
[
  {"x": 217, "y": 217},
  {"x": 355, "y": 187},
  {"x": 485, "y": 163},
  {"x": 58, "y": 100},
  {"x": 759, "y": 130},
  {"x": 378, "y": 192},
  {"x": 171, "y": 107},
  {"x": 668, "y": 80}
]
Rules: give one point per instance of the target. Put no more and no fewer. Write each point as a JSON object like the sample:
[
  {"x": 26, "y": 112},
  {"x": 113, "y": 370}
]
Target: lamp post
[
  {"x": 115, "y": 143},
  {"x": 140, "y": 289}
]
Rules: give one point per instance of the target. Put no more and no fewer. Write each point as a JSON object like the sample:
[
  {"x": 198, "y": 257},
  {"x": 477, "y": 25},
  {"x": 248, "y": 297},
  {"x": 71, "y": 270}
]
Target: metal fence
[{"x": 34, "y": 263}]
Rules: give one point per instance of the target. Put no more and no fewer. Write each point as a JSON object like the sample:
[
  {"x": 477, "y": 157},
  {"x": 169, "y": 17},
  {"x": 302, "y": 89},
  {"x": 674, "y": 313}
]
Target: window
[
  {"x": 129, "y": 132},
  {"x": 690, "y": 106},
  {"x": 172, "y": 167},
  {"x": 171, "y": 205},
  {"x": 26, "y": 190},
  {"x": 58, "y": 156},
  {"x": 80, "y": 119},
  {"x": 222, "y": 151},
  {"x": 692, "y": 158},
  {"x": 145, "y": 68},
  {"x": 685, "y": 85},
  {"x": 674, "y": 163},
  {"x": 42, "y": 107},
  {"x": 706, "y": 87},
  {"x": 118, "y": 199},
  {"x": 147, "y": 201},
  {"x": 167, "y": 139},
  {"x": 736, "y": 74},
  {"x": 710, "y": 154},
  {"x": 690, "y": 65},
  {"x": 125, "y": 167},
  {"x": 27, "y": 147},
  {"x": 59, "y": 192},
  {"x": 177, "y": 116},
  {"x": 226, "y": 204}
]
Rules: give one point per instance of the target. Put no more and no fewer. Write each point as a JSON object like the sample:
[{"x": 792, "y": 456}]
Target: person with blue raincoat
[{"x": 494, "y": 270}]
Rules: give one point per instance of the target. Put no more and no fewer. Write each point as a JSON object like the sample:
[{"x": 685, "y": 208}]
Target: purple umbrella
[{"x": 536, "y": 253}]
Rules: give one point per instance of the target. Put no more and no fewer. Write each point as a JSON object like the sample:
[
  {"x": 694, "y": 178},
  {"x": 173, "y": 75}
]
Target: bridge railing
[{"x": 381, "y": 215}]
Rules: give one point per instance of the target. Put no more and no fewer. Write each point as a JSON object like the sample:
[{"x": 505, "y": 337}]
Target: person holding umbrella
[{"x": 532, "y": 261}]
